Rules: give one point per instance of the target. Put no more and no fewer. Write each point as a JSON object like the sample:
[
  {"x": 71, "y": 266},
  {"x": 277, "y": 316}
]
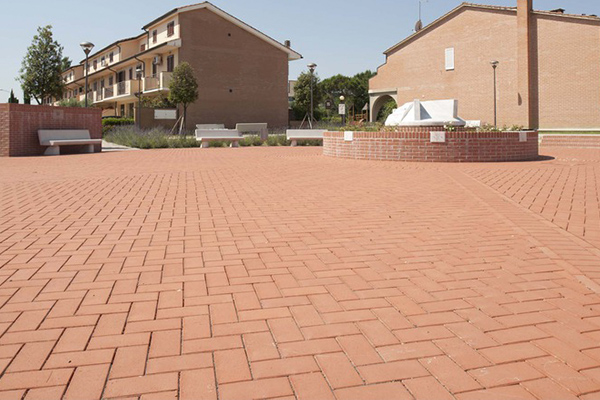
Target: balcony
[
  {"x": 118, "y": 91},
  {"x": 157, "y": 83}
]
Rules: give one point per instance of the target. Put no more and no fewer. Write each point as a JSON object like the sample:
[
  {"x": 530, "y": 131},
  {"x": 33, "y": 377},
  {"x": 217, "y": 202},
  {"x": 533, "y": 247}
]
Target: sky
[{"x": 340, "y": 36}]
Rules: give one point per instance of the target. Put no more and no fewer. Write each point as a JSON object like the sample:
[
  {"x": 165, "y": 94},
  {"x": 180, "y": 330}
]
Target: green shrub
[
  {"x": 72, "y": 102},
  {"x": 251, "y": 140},
  {"x": 109, "y": 123},
  {"x": 277, "y": 140}
]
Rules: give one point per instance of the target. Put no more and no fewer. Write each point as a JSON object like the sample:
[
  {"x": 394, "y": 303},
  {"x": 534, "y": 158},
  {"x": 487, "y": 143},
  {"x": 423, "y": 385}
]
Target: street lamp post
[
  {"x": 312, "y": 68},
  {"x": 494, "y": 66},
  {"x": 139, "y": 72},
  {"x": 87, "y": 48},
  {"x": 343, "y": 109}
]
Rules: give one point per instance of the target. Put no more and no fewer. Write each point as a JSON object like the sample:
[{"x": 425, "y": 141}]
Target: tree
[
  {"x": 359, "y": 87},
  {"x": 301, "y": 104},
  {"x": 183, "y": 88},
  {"x": 72, "y": 102},
  {"x": 12, "y": 99},
  {"x": 65, "y": 64},
  {"x": 42, "y": 66}
]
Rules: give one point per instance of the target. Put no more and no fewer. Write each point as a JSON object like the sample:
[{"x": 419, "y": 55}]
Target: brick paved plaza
[{"x": 281, "y": 273}]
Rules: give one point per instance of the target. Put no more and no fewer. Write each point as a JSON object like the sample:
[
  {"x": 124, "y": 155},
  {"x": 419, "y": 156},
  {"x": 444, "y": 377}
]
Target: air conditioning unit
[{"x": 157, "y": 60}]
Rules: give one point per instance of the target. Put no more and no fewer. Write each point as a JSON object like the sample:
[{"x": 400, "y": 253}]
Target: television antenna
[{"x": 419, "y": 24}]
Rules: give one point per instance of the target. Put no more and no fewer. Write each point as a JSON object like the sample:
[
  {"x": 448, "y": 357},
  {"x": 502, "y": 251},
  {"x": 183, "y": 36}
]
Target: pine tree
[
  {"x": 12, "y": 99},
  {"x": 42, "y": 66}
]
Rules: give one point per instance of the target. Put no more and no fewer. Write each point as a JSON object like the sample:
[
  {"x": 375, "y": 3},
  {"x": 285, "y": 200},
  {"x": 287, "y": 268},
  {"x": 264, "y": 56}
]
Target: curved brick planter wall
[{"x": 414, "y": 144}]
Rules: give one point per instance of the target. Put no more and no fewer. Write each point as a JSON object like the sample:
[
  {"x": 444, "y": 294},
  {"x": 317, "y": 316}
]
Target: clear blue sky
[{"x": 341, "y": 36}]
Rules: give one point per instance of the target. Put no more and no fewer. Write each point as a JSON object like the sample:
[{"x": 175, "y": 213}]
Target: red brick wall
[
  {"x": 413, "y": 144},
  {"x": 565, "y": 63},
  {"x": 4, "y": 142},
  {"x": 241, "y": 78},
  {"x": 572, "y": 141},
  {"x": 19, "y": 124}
]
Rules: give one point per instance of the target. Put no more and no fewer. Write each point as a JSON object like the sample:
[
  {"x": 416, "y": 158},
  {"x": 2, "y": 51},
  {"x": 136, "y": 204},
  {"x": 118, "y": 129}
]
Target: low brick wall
[
  {"x": 571, "y": 141},
  {"x": 414, "y": 144},
  {"x": 19, "y": 124}
]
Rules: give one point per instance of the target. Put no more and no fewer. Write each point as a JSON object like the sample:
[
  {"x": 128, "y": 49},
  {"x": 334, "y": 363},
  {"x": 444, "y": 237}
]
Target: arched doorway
[{"x": 382, "y": 107}]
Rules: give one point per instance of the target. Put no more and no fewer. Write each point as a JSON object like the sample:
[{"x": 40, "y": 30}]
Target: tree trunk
[{"x": 184, "y": 119}]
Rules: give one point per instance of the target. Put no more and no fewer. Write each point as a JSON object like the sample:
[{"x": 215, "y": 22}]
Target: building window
[
  {"x": 170, "y": 63},
  {"x": 110, "y": 81},
  {"x": 171, "y": 28},
  {"x": 450, "y": 59},
  {"x": 143, "y": 47},
  {"x": 95, "y": 64},
  {"x": 95, "y": 86},
  {"x": 154, "y": 36},
  {"x": 103, "y": 61},
  {"x": 111, "y": 57},
  {"x": 130, "y": 74}
]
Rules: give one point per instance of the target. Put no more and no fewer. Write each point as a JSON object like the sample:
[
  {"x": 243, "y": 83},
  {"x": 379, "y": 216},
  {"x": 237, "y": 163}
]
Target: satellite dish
[{"x": 418, "y": 26}]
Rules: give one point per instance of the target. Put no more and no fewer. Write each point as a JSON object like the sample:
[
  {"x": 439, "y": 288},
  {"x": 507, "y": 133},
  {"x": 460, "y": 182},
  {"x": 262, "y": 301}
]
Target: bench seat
[
  {"x": 205, "y": 136},
  {"x": 66, "y": 142},
  {"x": 54, "y": 138},
  {"x": 304, "y": 134}
]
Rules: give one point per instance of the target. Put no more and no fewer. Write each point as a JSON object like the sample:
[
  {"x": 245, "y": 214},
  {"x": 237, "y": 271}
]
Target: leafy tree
[
  {"x": 40, "y": 73},
  {"x": 65, "y": 63},
  {"x": 72, "y": 102},
  {"x": 26, "y": 98},
  {"x": 386, "y": 110},
  {"x": 183, "y": 88},
  {"x": 359, "y": 87},
  {"x": 336, "y": 86},
  {"x": 12, "y": 99},
  {"x": 160, "y": 101},
  {"x": 301, "y": 104}
]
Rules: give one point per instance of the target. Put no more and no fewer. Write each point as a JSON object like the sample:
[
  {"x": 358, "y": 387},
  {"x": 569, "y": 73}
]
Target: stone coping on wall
[{"x": 433, "y": 144}]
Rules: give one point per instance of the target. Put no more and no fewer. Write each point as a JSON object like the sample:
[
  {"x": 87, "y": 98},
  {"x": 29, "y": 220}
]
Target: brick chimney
[{"x": 525, "y": 62}]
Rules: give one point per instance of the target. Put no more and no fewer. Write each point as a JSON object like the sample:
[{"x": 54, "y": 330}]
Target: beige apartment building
[
  {"x": 242, "y": 73},
  {"x": 548, "y": 74}
]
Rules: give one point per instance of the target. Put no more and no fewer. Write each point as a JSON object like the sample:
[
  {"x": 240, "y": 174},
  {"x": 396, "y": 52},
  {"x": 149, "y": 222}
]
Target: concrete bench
[
  {"x": 56, "y": 138},
  {"x": 304, "y": 134},
  {"x": 205, "y": 136},
  {"x": 210, "y": 126},
  {"x": 253, "y": 128}
]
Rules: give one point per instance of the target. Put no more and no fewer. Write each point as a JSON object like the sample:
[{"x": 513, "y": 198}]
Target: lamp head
[
  {"x": 495, "y": 63},
  {"x": 312, "y": 67},
  {"x": 342, "y": 98},
  {"x": 87, "y": 47}
]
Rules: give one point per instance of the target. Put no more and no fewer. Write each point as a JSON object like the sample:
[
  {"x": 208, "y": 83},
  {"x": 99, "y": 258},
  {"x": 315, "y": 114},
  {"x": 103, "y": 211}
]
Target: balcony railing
[
  {"x": 125, "y": 88},
  {"x": 158, "y": 82}
]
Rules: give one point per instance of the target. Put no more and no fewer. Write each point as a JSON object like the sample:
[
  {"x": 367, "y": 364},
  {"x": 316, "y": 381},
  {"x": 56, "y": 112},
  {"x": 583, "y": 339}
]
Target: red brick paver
[{"x": 280, "y": 273}]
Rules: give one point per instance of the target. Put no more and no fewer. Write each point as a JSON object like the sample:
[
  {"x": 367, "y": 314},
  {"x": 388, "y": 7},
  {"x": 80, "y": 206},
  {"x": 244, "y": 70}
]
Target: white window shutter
[{"x": 450, "y": 59}]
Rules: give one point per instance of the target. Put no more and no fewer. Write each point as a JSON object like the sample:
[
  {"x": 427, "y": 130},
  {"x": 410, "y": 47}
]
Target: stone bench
[
  {"x": 210, "y": 126},
  {"x": 55, "y": 138},
  {"x": 304, "y": 134},
  {"x": 205, "y": 136},
  {"x": 260, "y": 129}
]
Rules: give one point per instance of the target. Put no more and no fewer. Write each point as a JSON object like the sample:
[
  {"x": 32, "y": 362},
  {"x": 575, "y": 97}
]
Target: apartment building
[
  {"x": 548, "y": 74},
  {"x": 242, "y": 73}
]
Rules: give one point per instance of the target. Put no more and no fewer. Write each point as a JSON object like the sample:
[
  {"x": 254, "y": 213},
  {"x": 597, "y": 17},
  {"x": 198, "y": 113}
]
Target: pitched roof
[
  {"x": 293, "y": 55},
  {"x": 465, "y": 5}
]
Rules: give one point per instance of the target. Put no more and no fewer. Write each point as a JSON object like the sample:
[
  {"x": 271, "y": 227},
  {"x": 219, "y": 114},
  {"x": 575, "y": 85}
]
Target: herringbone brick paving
[{"x": 280, "y": 273}]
